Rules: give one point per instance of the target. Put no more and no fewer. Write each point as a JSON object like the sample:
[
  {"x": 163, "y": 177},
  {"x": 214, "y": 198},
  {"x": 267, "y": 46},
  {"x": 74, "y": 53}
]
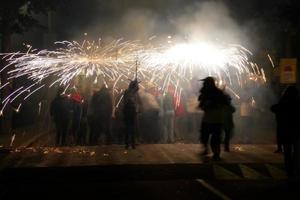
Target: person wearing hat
[{"x": 212, "y": 101}]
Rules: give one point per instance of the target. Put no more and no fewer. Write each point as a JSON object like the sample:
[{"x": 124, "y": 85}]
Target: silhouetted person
[
  {"x": 212, "y": 101},
  {"x": 246, "y": 114},
  {"x": 228, "y": 123},
  {"x": 105, "y": 113},
  {"x": 286, "y": 111},
  {"x": 83, "y": 125},
  {"x": 60, "y": 112},
  {"x": 278, "y": 131},
  {"x": 130, "y": 108},
  {"x": 148, "y": 117},
  {"x": 93, "y": 132},
  {"x": 77, "y": 108},
  {"x": 102, "y": 116},
  {"x": 169, "y": 118}
]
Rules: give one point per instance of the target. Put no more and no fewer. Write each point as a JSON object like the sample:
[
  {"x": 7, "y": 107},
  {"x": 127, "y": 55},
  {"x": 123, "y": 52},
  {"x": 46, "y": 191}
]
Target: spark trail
[{"x": 116, "y": 61}]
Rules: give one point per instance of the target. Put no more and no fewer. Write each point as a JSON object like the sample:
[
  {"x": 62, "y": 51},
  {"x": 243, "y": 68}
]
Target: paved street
[
  {"x": 152, "y": 171},
  {"x": 144, "y": 154}
]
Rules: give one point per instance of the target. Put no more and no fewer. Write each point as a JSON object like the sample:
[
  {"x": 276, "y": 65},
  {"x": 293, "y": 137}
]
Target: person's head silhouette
[{"x": 209, "y": 82}]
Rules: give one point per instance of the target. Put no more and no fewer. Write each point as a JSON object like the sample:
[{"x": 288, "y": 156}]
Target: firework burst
[
  {"x": 179, "y": 63},
  {"x": 118, "y": 60},
  {"x": 108, "y": 62}
]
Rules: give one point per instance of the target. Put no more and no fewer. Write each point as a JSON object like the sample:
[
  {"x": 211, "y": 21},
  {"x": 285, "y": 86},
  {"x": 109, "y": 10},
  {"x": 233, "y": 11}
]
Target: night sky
[{"x": 265, "y": 25}]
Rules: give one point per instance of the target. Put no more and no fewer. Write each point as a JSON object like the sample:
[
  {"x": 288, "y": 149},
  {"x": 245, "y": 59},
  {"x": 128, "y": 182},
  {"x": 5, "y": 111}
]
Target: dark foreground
[{"x": 150, "y": 172}]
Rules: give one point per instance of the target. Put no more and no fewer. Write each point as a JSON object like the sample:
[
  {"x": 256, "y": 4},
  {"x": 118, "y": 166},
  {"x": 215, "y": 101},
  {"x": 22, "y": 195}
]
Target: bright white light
[{"x": 197, "y": 53}]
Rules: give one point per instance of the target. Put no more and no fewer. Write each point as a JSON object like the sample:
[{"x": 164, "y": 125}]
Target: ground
[{"x": 152, "y": 171}]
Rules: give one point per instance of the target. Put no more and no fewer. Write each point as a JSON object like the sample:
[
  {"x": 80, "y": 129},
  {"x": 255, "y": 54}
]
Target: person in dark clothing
[
  {"x": 278, "y": 131},
  {"x": 212, "y": 101},
  {"x": 102, "y": 116},
  {"x": 76, "y": 100},
  {"x": 148, "y": 117},
  {"x": 288, "y": 128},
  {"x": 104, "y": 113},
  {"x": 83, "y": 125},
  {"x": 130, "y": 113},
  {"x": 246, "y": 115},
  {"x": 168, "y": 118},
  {"x": 93, "y": 133},
  {"x": 60, "y": 112},
  {"x": 228, "y": 125}
]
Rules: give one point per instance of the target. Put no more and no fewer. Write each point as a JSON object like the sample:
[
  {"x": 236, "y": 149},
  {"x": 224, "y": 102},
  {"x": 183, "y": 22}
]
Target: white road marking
[{"x": 212, "y": 189}]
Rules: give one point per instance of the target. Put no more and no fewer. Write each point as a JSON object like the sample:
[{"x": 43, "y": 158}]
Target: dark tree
[{"x": 17, "y": 17}]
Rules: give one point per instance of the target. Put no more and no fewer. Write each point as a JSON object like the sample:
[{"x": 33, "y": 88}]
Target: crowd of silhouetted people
[
  {"x": 95, "y": 121},
  {"x": 145, "y": 116}
]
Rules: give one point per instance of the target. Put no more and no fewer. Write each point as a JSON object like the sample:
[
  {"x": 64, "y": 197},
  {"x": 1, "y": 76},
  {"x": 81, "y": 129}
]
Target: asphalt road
[
  {"x": 150, "y": 182},
  {"x": 160, "y": 171}
]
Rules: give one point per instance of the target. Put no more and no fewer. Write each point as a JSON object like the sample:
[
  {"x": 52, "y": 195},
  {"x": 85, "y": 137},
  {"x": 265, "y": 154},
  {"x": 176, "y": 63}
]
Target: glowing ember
[
  {"x": 238, "y": 148},
  {"x": 12, "y": 140}
]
